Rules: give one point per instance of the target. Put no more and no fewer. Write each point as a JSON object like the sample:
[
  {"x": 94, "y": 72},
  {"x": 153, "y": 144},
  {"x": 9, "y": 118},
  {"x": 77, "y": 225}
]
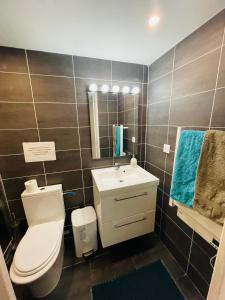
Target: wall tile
[
  {"x": 56, "y": 115},
  {"x": 162, "y": 65},
  {"x": 15, "y": 87},
  {"x": 87, "y": 177},
  {"x": 74, "y": 199},
  {"x": 65, "y": 161},
  {"x": 85, "y": 137},
  {"x": 16, "y": 207},
  {"x": 89, "y": 197},
  {"x": 155, "y": 156},
  {"x": 158, "y": 114},
  {"x": 11, "y": 140},
  {"x": 218, "y": 119},
  {"x": 204, "y": 39},
  {"x": 53, "y": 89},
  {"x": 69, "y": 180},
  {"x": 17, "y": 116},
  {"x": 127, "y": 71},
  {"x": 169, "y": 162},
  {"x": 88, "y": 162},
  {"x": 221, "y": 78},
  {"x": 83, "y": 115},
  {"x": 12, "y": 60},
  {"x": 64, "y": 138},
  {"x": 176, "y": 235},
  {"x": 15, "y": 187},
  {"x": 174, "y": 250},
  {"x": 197, "y": 76},
  {"x": 192, "y": 110},
  {"x": 47, "y": 63},
  {"x": 156, "y": 135},
  {"x": 201, "y": 262},
  {"x": 172, "y": 213},
  {"x": 172, "y": 136},
  {"x": 204, "y": 245},
  {"x": 8, "y": 164},
  {"x": 198, "y": 280},
  {"x": 160, "y": 89},
  {"x": 167, "y": 183},
  {"x": 145, "y": 74},
  {"x": 92, "y": 67},
  {"x": 156, "y": 172}
]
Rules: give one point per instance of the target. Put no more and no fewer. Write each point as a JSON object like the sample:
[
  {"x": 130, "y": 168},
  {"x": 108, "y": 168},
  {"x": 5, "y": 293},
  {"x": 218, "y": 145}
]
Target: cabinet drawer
[
  {"x": 127, "y": 203},
  {"x": 117, "y": 231}
]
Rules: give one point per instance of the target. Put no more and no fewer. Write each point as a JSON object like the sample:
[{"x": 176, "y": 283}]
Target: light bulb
[
  {"x": 93, "y": 87},
  {"x": 115, "y": 89},
  {"x": 153, "y": 20},
  {"x": 104, "y": 88},
  {"x": 135, "y": 90},
  {"x": 125, "y": 90}
]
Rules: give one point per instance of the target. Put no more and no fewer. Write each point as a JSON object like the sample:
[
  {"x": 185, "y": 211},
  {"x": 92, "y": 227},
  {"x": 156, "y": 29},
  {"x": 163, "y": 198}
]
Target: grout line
[
  {"x": 189, "y": 255},
  {"x": 146, "y": 118},
  {"x": 185, "y": 64},
  {"x": 79, "y": 139},
  {"x": 217, "y": 77},
  {"x": 35, "y": 113},
  {"x": 6, "y": 198}
]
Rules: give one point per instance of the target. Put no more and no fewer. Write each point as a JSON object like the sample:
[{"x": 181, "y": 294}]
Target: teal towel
[
  {"x": 117, "y": 141},
  {"x": 186, "y": 165}
]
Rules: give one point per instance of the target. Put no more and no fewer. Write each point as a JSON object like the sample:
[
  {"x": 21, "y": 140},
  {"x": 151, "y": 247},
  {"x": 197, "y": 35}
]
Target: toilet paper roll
[{"x": 31, "y": 185}]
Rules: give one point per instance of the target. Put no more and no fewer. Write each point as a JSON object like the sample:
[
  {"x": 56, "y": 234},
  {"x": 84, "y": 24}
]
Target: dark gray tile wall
[
  {"x": 43, "y": 97},
  {"x": 186, "y": 88}
]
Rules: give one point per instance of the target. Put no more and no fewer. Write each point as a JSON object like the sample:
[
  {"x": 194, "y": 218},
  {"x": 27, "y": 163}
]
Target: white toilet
[{"x": 38, "y": 259}]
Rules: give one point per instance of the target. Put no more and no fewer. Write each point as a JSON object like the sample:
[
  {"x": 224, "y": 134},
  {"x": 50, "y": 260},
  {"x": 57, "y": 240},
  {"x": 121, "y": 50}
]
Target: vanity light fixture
[
  {"x": 93, "y": 87},
  {"x": 153, "y": 20},
  {"x": 104, "y": 88},
  {"x": 135, "y": 90},
  {"x": 115, "y": 89},
  {"x": 125, "y": 90}
]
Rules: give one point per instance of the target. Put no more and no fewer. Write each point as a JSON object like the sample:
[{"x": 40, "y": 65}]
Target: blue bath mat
[{"x": 148, "y": 283}]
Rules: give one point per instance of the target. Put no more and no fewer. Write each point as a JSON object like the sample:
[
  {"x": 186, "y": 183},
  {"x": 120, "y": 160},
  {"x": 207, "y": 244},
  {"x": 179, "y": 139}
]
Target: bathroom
[{"x": 95, "y": 98}]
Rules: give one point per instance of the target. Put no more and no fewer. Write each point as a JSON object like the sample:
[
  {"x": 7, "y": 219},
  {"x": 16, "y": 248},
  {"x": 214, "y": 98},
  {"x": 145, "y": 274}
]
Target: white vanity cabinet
[{"x": 125, "y": 210}]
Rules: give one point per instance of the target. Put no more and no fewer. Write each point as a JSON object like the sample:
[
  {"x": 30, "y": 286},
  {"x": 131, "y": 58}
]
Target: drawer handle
[
  {"x": 118, "y": 226},
  {"x": 121, "y": 199}
]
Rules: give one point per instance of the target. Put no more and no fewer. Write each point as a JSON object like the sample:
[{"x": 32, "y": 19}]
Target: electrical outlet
[{"x": 166, "y": 148}]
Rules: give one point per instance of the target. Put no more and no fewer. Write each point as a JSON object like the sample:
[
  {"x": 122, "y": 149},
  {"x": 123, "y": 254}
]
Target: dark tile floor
[{"x": 80, "y": 275}]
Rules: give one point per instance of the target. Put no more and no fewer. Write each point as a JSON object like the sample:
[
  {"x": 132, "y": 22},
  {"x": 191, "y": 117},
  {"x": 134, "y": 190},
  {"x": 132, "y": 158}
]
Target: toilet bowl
[{"x": 38, "y": 259}]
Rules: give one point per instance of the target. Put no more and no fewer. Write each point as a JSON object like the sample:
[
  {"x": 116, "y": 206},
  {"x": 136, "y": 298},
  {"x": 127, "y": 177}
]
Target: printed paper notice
[{"x": 39, "y": 151}]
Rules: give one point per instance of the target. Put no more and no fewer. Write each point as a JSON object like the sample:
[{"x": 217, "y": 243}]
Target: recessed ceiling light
[{"x": 153, "y": 20}]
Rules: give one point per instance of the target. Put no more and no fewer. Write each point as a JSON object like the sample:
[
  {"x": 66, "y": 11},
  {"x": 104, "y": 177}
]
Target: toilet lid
[{"x": 36, "y": 247}]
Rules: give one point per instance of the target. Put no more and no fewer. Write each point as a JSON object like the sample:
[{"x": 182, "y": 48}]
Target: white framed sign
[{"x": 39, "y": 151}]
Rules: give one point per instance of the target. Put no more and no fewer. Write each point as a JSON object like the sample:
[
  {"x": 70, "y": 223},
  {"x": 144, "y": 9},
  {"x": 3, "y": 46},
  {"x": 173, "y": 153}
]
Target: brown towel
[{"x": 210, "y": 181}]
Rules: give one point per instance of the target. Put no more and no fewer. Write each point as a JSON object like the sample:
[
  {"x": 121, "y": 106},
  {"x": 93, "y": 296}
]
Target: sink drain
[{"x": 121, "y": 180}]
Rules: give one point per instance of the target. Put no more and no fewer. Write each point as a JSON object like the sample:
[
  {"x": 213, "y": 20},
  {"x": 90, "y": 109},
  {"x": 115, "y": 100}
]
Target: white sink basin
[{"x": 110, "y": 178}]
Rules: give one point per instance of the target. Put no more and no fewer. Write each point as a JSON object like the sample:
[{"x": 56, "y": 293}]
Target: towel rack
[{"x": 206, "y": 228}]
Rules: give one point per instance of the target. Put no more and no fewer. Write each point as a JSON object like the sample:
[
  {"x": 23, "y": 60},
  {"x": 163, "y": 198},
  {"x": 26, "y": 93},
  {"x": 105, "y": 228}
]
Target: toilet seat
[{"x": 37, "y": 248}]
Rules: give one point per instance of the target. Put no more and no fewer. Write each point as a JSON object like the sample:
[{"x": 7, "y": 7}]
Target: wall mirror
[{"x": 114, "y": 123}]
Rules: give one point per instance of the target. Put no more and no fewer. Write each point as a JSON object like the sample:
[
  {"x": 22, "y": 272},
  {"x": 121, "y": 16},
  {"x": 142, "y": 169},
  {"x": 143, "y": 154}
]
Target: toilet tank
[{"x": 44, "y": 205}]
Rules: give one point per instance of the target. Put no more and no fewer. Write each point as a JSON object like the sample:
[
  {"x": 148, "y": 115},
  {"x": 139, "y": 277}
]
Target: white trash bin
[{"x": 84, "y": 231}]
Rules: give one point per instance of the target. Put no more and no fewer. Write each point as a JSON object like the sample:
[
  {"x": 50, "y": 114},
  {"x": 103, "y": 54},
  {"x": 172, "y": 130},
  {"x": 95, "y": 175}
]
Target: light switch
[
  {"x": 166, "y": 148},
  {"x": 133, "y": 139}
]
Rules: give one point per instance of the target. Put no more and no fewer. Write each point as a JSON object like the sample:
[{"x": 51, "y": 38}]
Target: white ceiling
[{"x": 110, "y": 29}]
